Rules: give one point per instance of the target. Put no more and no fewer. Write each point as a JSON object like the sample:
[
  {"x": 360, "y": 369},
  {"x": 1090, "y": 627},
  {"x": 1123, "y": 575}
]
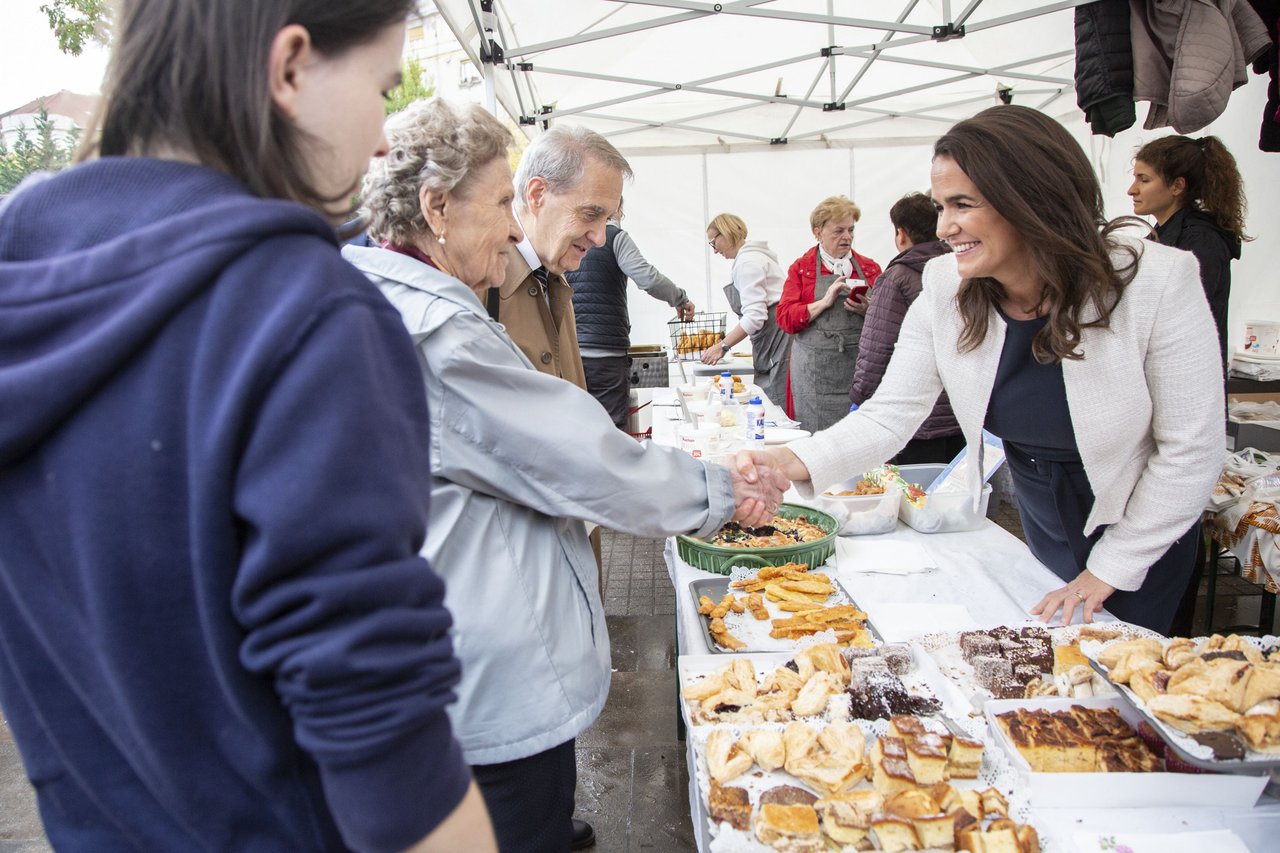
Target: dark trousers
[
  {"x": 1054, "y": 499},
  {"x": 609, "y": 381},
  {"x": 530, "y": 800}
]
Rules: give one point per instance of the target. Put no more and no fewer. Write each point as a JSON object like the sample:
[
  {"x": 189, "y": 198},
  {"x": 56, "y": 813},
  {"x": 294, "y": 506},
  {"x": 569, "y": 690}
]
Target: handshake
[{"x": 759, "y": 479}]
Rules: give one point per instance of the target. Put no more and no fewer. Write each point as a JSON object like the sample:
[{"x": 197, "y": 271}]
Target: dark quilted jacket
[
  {"x": 1104, "y": 66},
  {"x": 895, "y": 290}
]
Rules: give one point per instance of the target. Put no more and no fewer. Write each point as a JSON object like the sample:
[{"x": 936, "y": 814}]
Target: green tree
[
  {"x": 76, "y": 22},
  {"x": 413, "y": 87},
  {"x": 42, "y": 153}
]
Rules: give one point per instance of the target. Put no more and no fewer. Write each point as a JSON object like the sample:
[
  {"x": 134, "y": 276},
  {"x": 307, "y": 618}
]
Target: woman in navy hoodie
[{"x": 216, "y": 632}]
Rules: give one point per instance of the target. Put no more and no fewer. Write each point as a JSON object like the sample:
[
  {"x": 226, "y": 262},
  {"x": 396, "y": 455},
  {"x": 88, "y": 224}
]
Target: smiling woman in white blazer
[{"x": 1094, "y": 351}]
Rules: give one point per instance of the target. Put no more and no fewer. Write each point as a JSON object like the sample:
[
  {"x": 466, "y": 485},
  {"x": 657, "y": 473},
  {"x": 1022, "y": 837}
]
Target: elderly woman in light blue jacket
[{"x": 520, "y": 459}]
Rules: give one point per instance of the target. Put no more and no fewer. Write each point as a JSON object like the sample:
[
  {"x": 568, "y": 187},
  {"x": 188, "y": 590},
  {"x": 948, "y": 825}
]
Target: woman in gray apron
[
  {"x": 753, "y": 294},
  {"x": 821, "y": 307}
]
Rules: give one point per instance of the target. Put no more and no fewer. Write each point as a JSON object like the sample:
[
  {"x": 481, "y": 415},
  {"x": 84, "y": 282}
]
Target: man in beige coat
[{"x": 568, "y": 184}]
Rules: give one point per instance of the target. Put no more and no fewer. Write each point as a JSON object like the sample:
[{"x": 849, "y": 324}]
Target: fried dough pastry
[
  {"x": 812, "y": 699},
  {"x": 1114, "y": 653},
  {"x": 726, "y": 759},
  {"x": 765, "y": 747},
  {"x": 831, "y": 761},
  {"x": 1191, "y": 713},
  {"x": 1261, "y": 732},
  {"x": 823, "y": 657}
]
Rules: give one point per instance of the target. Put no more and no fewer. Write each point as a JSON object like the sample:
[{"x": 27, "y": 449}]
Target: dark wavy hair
[
  {"x": 191, "y": 76},
  {"x": 1213, "y": 181},
  {"x": 1029, "y": 168}
]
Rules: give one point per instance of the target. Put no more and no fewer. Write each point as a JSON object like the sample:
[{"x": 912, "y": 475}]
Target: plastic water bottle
[
  {"x": 726, "y": 387},
  {"x": 755, "y": 423}
]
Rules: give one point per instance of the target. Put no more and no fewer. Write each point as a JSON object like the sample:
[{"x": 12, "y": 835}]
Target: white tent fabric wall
[
  {"x": 683, "y": 176},
  {"x": 773, "y": 190}
]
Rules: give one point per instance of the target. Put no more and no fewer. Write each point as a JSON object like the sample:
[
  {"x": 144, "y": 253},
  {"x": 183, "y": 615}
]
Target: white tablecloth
[{"x": 994, "y": 577}]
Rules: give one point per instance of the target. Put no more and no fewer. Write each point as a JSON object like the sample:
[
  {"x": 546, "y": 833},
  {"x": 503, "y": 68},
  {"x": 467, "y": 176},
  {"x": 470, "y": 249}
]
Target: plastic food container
[
  {"x": 1261, "y": 338},
  {"x": 946, "y": 513},
  {"x": 862, "y": 515},
  {"x": 700, "y": 441}
]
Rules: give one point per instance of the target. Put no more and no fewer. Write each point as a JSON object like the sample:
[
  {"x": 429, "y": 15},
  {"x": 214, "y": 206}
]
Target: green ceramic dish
[{"x": 720, "y": 559}]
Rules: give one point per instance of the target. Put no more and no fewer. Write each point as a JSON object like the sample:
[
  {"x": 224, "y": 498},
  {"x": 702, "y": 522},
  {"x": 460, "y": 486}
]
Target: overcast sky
[{"x": 31, "y": 64}]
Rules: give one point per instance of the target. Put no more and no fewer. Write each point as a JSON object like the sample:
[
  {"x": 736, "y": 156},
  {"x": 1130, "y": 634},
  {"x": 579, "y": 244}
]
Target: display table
[
  {"x": 1255, "y": 542},
  {"x": 992, "y": 576}
]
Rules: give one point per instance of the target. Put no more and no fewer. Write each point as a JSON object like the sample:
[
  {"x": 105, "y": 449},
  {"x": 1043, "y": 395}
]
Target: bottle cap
[{"x": 854, "y": 407}]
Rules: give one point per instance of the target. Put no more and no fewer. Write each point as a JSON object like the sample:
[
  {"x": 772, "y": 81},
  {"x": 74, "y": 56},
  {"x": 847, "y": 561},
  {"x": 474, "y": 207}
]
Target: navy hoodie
[{"x": 216, "y": 632}]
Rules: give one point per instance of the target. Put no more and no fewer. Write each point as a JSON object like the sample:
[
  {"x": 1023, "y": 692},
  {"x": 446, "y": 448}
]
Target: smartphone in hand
[{"x": 859, "y": 288}]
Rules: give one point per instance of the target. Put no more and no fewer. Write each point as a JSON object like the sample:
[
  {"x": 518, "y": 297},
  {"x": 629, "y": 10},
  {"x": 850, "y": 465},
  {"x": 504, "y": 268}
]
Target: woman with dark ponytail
[{"x": 1194, "y": 190}]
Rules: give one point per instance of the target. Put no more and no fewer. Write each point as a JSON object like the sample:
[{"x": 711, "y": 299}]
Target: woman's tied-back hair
[
  {"x": 559, "y": 156},
  {"x": 433, "y": 144},
  {"x": 915, "y": 214},
  {"x": 190, "y": 76},
  {"x": 1030, "y": 170},
  {"x": 730, "y": 227},
  {"x": 833, "y": 209},
  {"x": 1213, "y": 181}
]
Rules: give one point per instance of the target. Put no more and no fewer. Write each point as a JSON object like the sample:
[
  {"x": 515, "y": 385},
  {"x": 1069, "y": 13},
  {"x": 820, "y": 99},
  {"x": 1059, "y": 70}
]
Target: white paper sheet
[
  {"x": 898, "y": 623},
  {"x": 1219, "y": 841},
  {"x": 883, "y": 556}
]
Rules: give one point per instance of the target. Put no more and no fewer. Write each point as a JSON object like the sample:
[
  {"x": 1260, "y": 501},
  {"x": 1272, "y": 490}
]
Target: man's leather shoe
[{"x": 583, "y": 835}]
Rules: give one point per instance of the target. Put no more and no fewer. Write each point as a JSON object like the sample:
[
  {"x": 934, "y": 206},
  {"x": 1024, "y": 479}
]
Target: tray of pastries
[
  {"x": 810, "y": 786},
  {"x": 822, "y": 681},
  {"x": 1215, "y": 699},
  {"x": 777, "y": 608},
  {"x": 1100, "y": 753},
  {"x": 1025, "y": 661}
]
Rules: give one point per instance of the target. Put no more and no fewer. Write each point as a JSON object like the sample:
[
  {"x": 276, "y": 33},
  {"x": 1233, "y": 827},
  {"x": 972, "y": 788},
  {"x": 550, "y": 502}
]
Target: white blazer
[{"x": 1146, "y": 403}]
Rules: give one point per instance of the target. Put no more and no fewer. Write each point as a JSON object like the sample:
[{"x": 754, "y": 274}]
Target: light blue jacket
[{"x": 519, "y": 460}]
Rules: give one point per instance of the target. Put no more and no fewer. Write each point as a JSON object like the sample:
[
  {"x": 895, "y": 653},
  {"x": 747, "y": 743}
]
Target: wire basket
[{"x": 690, "y": 337}]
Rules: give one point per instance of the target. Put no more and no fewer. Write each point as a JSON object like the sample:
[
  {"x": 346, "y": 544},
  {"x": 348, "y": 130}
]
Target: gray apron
[
  {"x": 823, "y": 357},
  {"x": 770, "y": 351}
]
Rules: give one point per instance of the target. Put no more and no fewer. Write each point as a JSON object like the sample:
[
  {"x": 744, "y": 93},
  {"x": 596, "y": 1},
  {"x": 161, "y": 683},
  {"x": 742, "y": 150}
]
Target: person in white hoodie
[{"x": 753, "y": 294}]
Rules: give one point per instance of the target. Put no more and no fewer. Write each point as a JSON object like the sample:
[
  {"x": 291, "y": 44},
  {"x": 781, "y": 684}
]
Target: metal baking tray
[
  {"x": 1171, "y": 736},
  {"x": 715, "y": 589}
]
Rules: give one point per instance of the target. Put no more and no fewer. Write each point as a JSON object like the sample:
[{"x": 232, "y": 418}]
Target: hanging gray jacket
[{"x": 1211, "y": 42}]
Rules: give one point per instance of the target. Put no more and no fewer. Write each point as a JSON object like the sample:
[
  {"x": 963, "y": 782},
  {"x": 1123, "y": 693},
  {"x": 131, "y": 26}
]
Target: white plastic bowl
[{"x": 862, "y": 515}]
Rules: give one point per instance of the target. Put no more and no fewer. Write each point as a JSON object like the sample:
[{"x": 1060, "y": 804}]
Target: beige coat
[
  {"x": 1145, "y": 401},
  {"x": 546, "y": 334}
]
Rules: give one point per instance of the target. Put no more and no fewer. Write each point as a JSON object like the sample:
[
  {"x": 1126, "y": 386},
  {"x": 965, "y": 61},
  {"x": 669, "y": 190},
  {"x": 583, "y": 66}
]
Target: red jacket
[{"x": 797, "y": 293}]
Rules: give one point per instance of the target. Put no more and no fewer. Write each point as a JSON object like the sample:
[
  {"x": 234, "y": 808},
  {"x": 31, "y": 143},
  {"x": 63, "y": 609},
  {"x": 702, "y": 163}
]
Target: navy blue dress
[{"x": 1028, "y": 411}]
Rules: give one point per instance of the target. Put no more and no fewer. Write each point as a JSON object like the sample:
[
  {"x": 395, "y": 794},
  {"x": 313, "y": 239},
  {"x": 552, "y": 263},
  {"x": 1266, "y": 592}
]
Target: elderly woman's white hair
[
  {"x": 558, "y": 156},
  {"x": 433, "y": 144}
]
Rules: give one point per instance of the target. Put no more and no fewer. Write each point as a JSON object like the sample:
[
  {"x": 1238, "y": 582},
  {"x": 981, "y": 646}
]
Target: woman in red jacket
[{"x": 824, "y": 343}]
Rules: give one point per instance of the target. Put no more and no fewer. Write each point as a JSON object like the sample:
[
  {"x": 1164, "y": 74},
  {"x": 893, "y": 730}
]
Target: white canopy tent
[{"x": 764, "y": 107}]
